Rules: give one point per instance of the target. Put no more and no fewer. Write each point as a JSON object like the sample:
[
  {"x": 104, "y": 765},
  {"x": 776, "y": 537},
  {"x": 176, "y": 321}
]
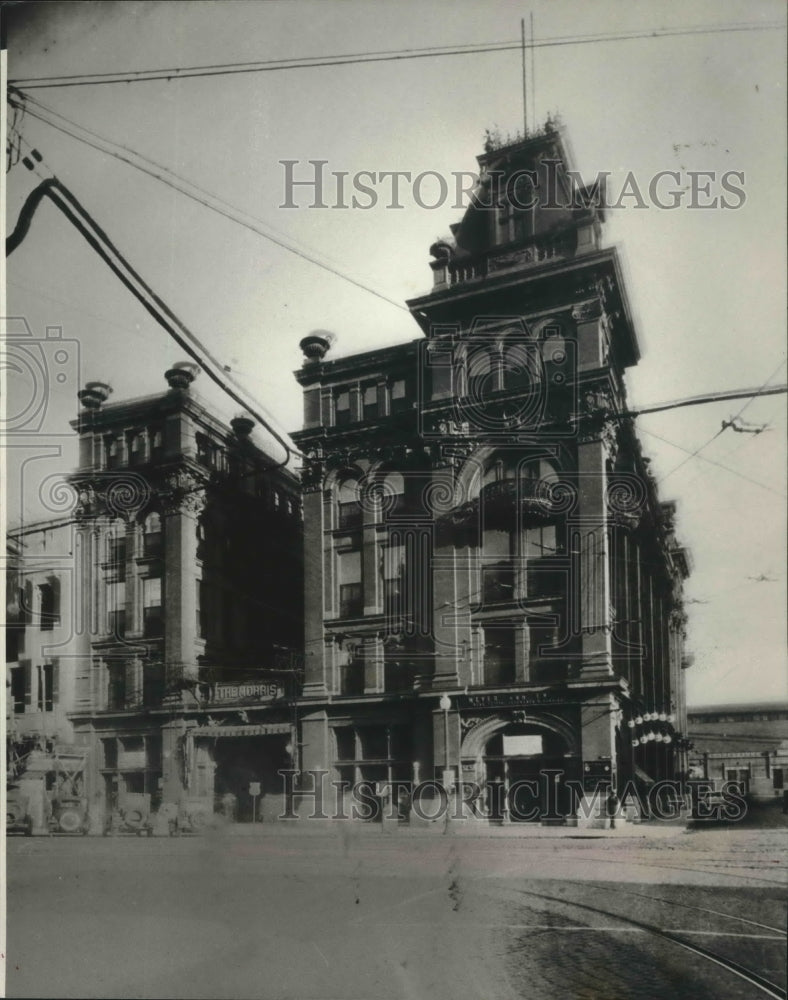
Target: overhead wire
[
  {"x": 711, "y": 461},
  {"x": 178, "y": 183},
  {"x": 82, "y": 220},
  {"x": 697, "y": 451},
  {"x": 309, "y": 62}
]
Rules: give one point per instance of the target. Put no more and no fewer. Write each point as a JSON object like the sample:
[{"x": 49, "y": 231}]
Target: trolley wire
[
  {"x": 210, "y": 201},
  {"x": 311, "y": 62}
]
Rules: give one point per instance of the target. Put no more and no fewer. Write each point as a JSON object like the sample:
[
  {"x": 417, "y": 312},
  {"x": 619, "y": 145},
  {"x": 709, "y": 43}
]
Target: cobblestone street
[{"x": 361, "y": 913}]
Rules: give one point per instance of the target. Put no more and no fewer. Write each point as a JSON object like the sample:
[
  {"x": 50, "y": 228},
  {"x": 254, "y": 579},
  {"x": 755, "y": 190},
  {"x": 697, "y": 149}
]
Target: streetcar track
[
  {"x": 682, "y": 868},
  {"x": 748, "y": 975},
  {"x": 686, "y": 906}
]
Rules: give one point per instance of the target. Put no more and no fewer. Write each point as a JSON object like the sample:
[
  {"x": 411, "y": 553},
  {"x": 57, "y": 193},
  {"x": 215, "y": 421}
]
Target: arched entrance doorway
[{"x": 525, "y": 764}]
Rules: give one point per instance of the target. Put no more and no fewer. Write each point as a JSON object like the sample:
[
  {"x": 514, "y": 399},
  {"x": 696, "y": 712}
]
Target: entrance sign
[
  {"x": 522, "y": 746},
  {"x": 513, "y": 698}
]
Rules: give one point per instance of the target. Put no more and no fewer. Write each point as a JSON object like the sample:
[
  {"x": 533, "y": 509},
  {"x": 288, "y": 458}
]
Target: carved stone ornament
[
  {"x": 583, "y": 312},
  {"x": 312, "y": 475},
  {"x": 121, "y": 493},
  {"x": 467, "y": 724},
  {"x": 610, "y": 439},
  {"x": 596, "y": 399},
  {"x": 183, "y": 493}
]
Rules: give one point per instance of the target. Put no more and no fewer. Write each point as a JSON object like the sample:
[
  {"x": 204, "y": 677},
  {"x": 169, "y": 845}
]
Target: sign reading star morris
[{"x": 243, "y": 692}]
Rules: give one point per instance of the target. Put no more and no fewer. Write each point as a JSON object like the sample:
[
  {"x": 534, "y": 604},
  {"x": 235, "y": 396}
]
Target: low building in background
[{"x": 745, "y": 744}]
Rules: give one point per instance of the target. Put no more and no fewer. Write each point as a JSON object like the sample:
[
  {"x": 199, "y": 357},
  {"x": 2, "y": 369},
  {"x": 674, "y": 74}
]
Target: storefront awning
[
  {"x": 264, "y": 729},
  {"x": 43, "y": 765}
]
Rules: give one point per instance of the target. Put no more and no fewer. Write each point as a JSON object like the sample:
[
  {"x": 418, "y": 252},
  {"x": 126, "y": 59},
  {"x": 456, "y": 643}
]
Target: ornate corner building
[{"x": 492, "y": 587}]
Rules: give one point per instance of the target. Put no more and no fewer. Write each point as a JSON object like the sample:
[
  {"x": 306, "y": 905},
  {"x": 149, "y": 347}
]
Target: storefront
[{"x": 236, "y": 768}]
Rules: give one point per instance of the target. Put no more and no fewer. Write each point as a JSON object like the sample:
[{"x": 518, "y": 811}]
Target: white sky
[{"x": 707, "y": 287}]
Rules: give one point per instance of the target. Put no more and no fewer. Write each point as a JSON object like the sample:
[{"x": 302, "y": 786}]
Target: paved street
[{"x": 360, "y": 913}]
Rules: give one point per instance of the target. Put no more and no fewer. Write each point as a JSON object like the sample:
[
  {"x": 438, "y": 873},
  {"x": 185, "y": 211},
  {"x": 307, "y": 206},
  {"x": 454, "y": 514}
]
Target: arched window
[
  {"x": 152, "y": 540},
  {"x": 481, "y": 364},
  {"x": 520, "y": 366}
]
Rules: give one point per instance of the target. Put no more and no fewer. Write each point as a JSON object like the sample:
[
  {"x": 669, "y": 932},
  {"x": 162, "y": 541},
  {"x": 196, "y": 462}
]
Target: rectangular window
[
  {"x": 152, "y": 539},
  {"x": 156, "y": 446},
  {"x": 351, "y": 598},
  {"x": 136, "y": 449},
  {"x": 498, "y": 654},
  {"x": 778, "y": 776},
  {"x": 110, "y": 753},
  {"x": 153, "y": 619},
  {"x": 346, "y": 742},
  {"x": 393, "y": 578},
  {"x": 398, "y": 670},
  {"x": 349, "y": 515},
  {"x": 116, "y": 609},
  {"x": 152, "y": 684},
  {"x": 351, "y": 674},
  {"x": 370, "y": 402},
  {"x": 112, "y": 449},
  {"x": 539, "y": 541},
  {"x": 342, "y": 409},
  {"x": 498, "y": 583},
  {"x": 399, "y": 399},
  {"x": 498, "y": 568},
  {"x": 50, "y": 605},
  {"x": 18, "y": 689},
  {"x": 374, "y": 742},
  {"x": 117, "y": 558},
  {"x": 47, "y": 689},
  {"x": 543, "y": 662},
  {"x": 116, "y": 689}
]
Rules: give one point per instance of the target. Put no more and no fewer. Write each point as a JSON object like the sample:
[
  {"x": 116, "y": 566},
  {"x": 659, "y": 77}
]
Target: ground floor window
[{"x": 375, "y": 756}]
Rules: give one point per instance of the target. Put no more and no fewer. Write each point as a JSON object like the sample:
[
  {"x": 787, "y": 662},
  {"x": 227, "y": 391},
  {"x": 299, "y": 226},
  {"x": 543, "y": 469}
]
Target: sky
[{"x": 706, "y": 285}]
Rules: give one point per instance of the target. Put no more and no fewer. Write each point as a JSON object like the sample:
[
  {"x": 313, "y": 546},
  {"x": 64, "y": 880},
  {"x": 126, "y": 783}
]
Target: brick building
[
  {"x": 493, "y": 588},
  {"x": 174, "y": 608}
]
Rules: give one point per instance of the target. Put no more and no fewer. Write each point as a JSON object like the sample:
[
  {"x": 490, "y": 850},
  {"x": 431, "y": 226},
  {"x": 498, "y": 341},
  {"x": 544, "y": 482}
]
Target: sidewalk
[{"x": 654, "y": 830}]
